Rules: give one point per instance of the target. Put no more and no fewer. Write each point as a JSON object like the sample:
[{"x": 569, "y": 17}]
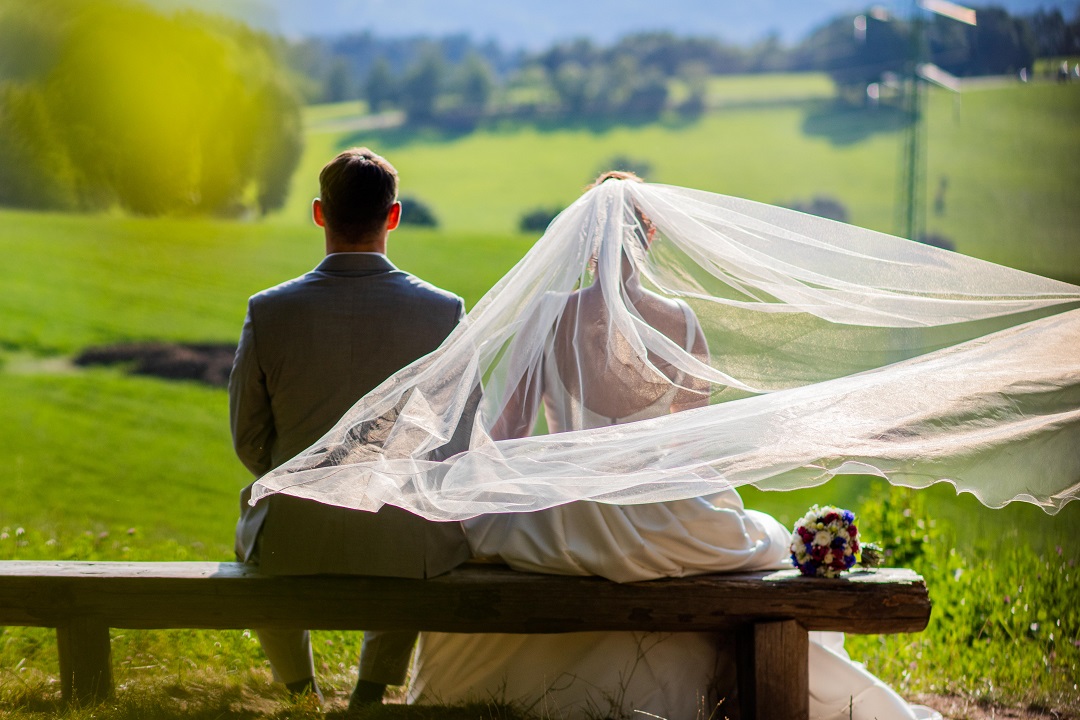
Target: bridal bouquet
[{"x": 825, "y": 542}]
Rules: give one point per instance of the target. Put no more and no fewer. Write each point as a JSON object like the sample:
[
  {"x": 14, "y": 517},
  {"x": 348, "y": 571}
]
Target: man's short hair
[{"x": 357, "y": 189}]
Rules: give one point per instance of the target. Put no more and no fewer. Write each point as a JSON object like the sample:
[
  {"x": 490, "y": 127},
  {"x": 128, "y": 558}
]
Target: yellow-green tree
[{"x": 159, "y": 114}]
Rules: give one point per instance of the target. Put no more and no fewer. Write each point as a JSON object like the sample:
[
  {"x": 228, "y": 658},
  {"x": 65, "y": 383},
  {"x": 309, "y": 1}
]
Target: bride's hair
[
  {"x": 613, "y": 175},
  {"x": 645, "y": 223}
]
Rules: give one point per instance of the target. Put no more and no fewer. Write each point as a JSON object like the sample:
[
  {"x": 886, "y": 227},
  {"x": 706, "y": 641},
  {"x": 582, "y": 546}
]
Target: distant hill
[{"x": 534, "y": 25}]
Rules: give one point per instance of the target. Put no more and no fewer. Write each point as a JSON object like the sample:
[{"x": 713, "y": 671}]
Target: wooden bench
[{"x": 770, "y": 611}]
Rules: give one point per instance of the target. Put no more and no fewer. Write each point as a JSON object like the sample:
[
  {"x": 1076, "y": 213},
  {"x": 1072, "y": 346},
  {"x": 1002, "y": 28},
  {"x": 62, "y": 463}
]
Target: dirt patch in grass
[
  {"x": 956, "y": 707},
  {"x": 208, "y": 363}
]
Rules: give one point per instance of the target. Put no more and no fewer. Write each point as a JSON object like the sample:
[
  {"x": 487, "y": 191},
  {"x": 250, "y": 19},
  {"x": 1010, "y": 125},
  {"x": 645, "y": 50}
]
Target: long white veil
[{"x": 796, "y": 348}]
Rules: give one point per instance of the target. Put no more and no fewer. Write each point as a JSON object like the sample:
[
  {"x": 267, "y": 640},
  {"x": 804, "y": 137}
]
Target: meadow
[{"x": 103, "y": 465}]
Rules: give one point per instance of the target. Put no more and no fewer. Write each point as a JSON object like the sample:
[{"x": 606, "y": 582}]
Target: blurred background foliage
[{"x": 107, "y": 103}]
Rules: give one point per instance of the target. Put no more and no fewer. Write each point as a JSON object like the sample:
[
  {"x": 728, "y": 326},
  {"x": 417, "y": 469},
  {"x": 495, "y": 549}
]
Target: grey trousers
[{"x": 384, "y": 655}]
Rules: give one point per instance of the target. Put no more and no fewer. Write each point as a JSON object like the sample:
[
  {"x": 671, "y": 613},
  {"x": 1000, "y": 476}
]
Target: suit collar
[{"x": 355, "y": 262}]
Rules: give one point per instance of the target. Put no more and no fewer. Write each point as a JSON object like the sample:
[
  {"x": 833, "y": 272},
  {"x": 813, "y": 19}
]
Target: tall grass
[{"x": 1005, "y": 624}]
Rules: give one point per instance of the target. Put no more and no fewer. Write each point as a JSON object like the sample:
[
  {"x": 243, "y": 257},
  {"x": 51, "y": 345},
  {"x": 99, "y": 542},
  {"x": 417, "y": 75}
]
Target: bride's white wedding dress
[
  {"x": 834, "y": 350},
  {"x": 613, "y": 674}
]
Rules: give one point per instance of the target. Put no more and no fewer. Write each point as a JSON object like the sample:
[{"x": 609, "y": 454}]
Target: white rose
[{"x": 823, "y": 537}]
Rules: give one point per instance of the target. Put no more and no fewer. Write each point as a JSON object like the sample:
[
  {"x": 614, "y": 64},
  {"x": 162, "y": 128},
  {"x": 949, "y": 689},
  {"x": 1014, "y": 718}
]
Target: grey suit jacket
[{"x": 310, "y": 348}]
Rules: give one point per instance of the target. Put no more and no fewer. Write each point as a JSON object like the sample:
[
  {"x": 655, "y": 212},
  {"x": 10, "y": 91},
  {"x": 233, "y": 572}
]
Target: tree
[
  {"x": 695, "y": 76},
  {"x": 864, "y": 48},
  {"x": 338, "y": 82},
  {"x": 647, "y": 97},
  {"x": 421, "y": 87},
  {"x": 1003, "y": 44},
  {"x": 477, "y": 83},
  {"x": 571, "y": 84},
  {"x": 179, "y": 114},
  {"x": 35, "y": 172},
  {"x": 1051, "y": 33},
  {"x": 380, "y": 88}
]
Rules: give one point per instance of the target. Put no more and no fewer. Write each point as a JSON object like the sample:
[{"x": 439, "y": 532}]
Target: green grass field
[
  {"x": 1009, "y": 155},
  {"x": 92, "y": 454}
]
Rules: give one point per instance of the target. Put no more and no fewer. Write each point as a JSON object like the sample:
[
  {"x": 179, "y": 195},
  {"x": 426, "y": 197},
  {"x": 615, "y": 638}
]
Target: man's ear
[
  {"x": 393, "y": 218},
  {"x": 317, "y": 212}
]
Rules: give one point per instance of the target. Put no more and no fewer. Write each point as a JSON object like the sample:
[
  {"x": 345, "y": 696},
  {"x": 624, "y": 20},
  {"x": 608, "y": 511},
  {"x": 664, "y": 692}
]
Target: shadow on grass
[
  {"x": 209, "y": 698},
  {"x": 838, "y": 122},
  {"x": 476, "y": 711},
  {"x": 843, "y": 124},
  {"x": 443, "y": 133}
]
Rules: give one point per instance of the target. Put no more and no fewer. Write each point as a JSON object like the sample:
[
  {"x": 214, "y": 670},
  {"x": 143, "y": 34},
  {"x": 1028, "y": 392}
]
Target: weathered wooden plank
[
  {"x": 774, "y": 681},
  {"x": 469, "y": 599},
  {"x": 85, "y": 667}
]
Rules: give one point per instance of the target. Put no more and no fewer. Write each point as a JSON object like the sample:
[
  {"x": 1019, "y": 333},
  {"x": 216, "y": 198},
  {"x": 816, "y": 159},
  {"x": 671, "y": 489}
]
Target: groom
[{"x": 309, "y": 349}]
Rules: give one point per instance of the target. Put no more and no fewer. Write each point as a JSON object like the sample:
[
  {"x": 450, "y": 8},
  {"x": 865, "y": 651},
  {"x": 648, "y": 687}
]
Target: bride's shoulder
[{"x": 671, "y": 307}]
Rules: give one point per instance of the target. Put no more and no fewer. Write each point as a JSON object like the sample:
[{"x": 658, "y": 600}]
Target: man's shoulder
[
  {"x": 282, "y": 289},
  {"x": 312, "y": 286},
  {"x": 424, "y": 288}
]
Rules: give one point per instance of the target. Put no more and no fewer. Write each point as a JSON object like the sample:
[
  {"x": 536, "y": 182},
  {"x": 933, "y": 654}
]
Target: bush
[
  {"x": 416, "y": 212},
  {"x": 937, "y": 240},
  {"x": 641, "y": 168},
  {"x": 822, "y": 206},
  {"x": 537, "y": 219}
]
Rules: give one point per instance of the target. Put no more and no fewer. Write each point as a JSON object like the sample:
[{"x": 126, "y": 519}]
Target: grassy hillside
[
  {"x": 89, "y": 454},
  {"x": 72, "y": 281},
  {"x": 1009, "y": 154}
]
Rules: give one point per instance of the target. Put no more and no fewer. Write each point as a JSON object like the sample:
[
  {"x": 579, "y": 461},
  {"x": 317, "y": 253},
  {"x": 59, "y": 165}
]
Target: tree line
[
  {"x": 453, "y": 80},
  {"x": 107, "y": 103}
]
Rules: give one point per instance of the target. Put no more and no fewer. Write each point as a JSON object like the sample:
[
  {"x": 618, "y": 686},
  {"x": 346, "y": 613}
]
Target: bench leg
[
  {"x": 85, "y": 668},
  {"x": 774, "y": 663}
]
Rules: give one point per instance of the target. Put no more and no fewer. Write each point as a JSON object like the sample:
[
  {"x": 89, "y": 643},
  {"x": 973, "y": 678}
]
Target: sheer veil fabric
[{"x": 806, "y": 348}]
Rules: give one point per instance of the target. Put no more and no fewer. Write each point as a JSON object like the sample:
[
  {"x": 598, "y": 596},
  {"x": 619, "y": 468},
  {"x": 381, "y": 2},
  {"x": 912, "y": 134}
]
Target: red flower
[{"x": 852, "y": 531}]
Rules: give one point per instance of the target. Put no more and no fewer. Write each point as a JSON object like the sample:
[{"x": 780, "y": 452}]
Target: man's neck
[{"x": 334, "y": 245}]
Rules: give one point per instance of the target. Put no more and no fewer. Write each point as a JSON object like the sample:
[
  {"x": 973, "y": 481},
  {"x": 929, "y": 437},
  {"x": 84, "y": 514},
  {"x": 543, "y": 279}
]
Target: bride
[
  {"x": 584, "y": 381},
  {"x": 677, "y": 345}
]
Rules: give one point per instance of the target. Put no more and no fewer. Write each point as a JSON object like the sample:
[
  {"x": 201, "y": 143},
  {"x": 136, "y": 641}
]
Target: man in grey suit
[{"x": 310, "y": 348}]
